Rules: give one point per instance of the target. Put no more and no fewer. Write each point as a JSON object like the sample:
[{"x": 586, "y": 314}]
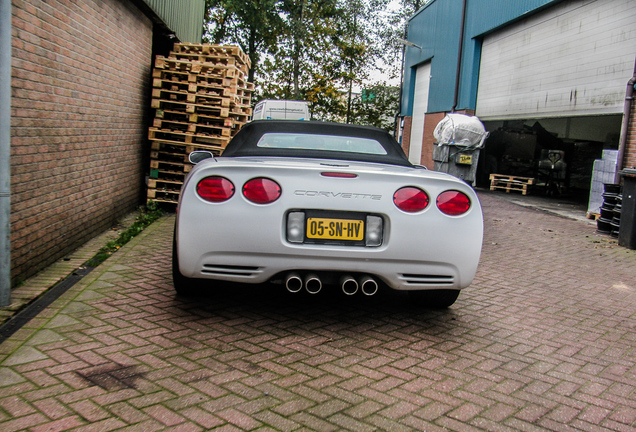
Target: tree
[
  {"x": 389, "y": 24},
  {"x": 254, "y": 25},
  {"x": 324, "y": 54},
  {"x": 306, "y": 24}
]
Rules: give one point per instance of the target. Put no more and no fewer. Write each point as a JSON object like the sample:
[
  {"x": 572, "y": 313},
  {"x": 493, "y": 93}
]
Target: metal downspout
[
  {"x": 629, "y": 99},
  {"x": 399, "y": 113},
  {"x": 459, "y": 56},
  {"x": 5, "y": 152}
]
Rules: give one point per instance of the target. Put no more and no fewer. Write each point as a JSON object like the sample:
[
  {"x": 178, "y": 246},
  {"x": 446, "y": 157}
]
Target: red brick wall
[
  {"x": 81, "y": 74},
  {"x": 406, "y": 135},
  {"x": 629, "y": 160},
  {"x": 428, "y": 140}
]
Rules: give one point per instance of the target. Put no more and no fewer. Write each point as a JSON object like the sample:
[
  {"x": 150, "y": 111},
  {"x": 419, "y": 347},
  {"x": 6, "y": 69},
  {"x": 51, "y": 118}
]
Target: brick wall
[
  {"x": 406, "y": 135},
  {"x": 80, "y": 84},
  {"x": 428, "y": 140}
]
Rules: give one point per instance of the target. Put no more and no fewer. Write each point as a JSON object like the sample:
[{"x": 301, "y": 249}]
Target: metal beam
[{"x": 5, "y": 152}]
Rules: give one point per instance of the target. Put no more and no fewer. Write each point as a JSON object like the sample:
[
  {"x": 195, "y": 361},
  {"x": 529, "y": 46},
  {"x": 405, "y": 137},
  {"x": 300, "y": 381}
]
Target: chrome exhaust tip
[
  {"x": 313, "y": 285},
  {"x": 349, "y": 285},
  {"x": 368, "y": 286},
  {"x": 293, "y": 283}
]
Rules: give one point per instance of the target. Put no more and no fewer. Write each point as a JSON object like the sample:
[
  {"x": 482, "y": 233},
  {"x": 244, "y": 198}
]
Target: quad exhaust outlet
[
  {"x": 293, "y": 283},
  {"x": 312, "y": 283},
  {"x": 368, "y": 286},
  {"x": 349, "y": 285}
]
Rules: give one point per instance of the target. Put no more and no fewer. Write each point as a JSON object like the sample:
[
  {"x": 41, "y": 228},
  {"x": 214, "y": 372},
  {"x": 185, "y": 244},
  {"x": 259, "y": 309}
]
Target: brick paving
[
  {"x": 42, "y": 281},
  {"x": 544, "y": 340}
]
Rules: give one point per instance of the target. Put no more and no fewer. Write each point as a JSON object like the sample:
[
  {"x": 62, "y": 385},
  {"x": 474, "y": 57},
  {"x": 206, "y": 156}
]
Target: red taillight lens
[
  {"x": 261, "y": 190},
  {"x": 410, "y": 199},
  {"x": 215, "y": 189},
  {"x": 453, "y": 203},
  {"x": 338, "y": 174}
]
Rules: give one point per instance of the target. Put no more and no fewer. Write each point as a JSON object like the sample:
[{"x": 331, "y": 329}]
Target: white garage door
[
  {"x": 420, "y": 105},
  {"x": 572, "y": 59}
]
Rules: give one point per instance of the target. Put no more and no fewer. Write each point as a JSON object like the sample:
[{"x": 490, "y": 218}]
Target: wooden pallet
[
  {"x": 179, "y": 137},
  {"x": 222, "y": 127},
  {"x": 230, "y": 89},
  {"x": 211, "y": 59},
  {"x": 202, "y": 79},
  {"x": 182, "y": 150},
  {"x": 212, "y": 49},
  {"x": 197, "y": 68},
  {"x": 188, "y": 108},
  {"x": 223, "y": 119},
  {"x": 510, "y": 183},
  {"x": 166, "y": 191}
]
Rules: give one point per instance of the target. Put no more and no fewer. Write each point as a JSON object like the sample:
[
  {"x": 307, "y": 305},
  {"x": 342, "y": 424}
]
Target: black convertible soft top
[{"x": 246, "y": 140}]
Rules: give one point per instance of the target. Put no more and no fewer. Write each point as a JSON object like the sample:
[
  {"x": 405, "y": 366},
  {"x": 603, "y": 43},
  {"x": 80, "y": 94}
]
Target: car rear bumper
[{"x": 255, "y": 268}]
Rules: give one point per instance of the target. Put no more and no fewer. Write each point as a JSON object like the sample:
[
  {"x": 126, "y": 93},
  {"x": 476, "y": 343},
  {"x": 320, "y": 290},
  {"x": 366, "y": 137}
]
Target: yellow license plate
[
  {"x": 335, "y": 229},
  {"x": 465, "y": 159}
]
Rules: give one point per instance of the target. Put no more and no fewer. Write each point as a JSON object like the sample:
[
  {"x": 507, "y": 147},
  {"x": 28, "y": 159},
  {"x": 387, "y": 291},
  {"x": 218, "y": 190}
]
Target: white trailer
[{"x": 281, "y": 109}]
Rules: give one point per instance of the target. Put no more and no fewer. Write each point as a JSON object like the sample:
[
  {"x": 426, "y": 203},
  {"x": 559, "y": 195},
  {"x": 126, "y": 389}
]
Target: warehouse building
[
  {"x": 80, "y": 86},
  {"x": 550, "y": 80}
]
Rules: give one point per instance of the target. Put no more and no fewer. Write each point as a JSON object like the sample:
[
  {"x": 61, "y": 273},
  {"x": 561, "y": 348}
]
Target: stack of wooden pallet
[
  {"x": 510, "y": 183},
  {"x": 201, "y": 99}
]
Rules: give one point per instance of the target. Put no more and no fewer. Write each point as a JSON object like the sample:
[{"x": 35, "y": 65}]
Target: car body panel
[{"x": 240, "y": 241}]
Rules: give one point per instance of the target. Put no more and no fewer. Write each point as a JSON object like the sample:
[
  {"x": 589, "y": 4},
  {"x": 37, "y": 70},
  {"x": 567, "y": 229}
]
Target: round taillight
[
  {"x": 410, "y": 199},
  {"x": 453, "y": 203},
  {"x": 215, "y": 189},
  {"x": 261, "y": 190}
]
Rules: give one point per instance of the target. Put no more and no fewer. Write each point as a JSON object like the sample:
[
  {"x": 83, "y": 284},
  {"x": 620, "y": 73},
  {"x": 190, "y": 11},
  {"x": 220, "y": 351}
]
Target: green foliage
[
  {"x": 254, "y": 25},
  {"x": 377, "y": 106},
  {"x": 321, "y": 51},
  {"x": 146, "y": 216},
  {"x": 389, "y": 25}
]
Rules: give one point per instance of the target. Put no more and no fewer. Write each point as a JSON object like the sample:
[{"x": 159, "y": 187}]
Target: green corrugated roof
[{"x": 184, "y": 17}]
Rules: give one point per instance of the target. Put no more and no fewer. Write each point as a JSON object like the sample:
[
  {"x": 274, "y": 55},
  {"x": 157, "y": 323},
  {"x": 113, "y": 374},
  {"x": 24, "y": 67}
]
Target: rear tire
[
  {"x": 434, "y": 299},
  {"x": 184, "y": 286}
]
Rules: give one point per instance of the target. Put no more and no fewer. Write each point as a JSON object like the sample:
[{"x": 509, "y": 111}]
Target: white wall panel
[
  {"x": 420, "y": 105},
  {"x": 572, "y": 59}
]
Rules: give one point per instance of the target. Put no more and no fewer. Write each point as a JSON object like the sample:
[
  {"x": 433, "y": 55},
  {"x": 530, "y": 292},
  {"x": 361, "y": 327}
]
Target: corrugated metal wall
[{"x": 184, "y": 17}]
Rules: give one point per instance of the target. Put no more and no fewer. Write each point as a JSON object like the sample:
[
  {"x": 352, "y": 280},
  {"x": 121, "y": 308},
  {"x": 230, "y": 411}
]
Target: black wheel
[
  {"x": 434, "y": 299},
  {"x": 184, "y": 286}
]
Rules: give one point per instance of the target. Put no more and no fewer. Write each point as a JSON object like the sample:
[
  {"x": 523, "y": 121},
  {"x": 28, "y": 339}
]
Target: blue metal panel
[{"x": 437, "y": 28}]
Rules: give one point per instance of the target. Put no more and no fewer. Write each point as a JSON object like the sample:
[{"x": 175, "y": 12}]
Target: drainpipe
[
  {"x": 459, "y": 56},
  {"x": 629, "y": 99},
  {"x": 5, "y": 151},
  {"x": 399, "y": 113}
]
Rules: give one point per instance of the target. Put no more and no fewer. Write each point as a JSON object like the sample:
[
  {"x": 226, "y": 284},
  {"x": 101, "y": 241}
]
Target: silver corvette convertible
[{"x": 314, "y": 206}]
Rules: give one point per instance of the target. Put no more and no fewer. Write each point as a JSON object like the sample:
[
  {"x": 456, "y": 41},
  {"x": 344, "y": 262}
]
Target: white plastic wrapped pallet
[{"x": 460, "y": 130}]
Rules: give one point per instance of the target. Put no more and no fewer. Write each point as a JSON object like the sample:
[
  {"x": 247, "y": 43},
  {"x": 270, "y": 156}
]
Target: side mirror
[{"x": 198, "y": 155}]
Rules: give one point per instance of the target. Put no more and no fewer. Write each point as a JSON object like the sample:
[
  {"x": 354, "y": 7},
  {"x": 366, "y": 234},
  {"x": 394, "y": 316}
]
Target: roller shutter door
[
  {"x": 420, "y": 105},
  {"x": 572, "y": 59}
]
